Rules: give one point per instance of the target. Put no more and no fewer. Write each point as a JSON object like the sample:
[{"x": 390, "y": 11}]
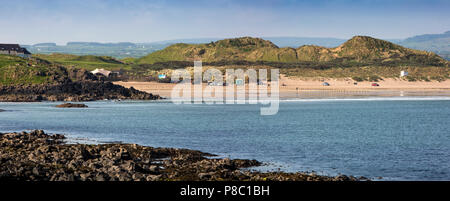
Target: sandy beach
[{"x": 294, "y": 87}]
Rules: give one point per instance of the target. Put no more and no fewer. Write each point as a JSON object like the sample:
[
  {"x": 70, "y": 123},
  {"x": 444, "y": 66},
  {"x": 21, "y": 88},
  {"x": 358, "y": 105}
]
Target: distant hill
[
  {"x": 118, "y": 50},
  {"x": 127, "y": 49},
  {"x": 362, "y": 49},
  {"x": 279, "y": 41},
  {"x": 427, "y": 37},
  {"x": 121, "y": 44},
  {"x": 44, "y": 45},
  {"x": 438, "y": 43}
]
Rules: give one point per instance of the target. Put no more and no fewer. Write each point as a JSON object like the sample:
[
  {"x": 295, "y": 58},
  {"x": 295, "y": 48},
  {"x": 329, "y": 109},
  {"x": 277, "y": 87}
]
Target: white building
[{"x": 101, "y": 71}]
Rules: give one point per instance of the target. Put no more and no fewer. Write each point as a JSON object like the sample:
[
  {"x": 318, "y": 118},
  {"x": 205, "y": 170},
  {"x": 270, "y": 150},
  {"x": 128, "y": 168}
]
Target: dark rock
[
  {"x": 36, "y": 171},
  {"x": 154, "y": 169},
  {"x": 99, "y": 177},
  {"x": 153, "y": 177},
  {"x": 204, "y": 176},
  {"x": 71, "y": 105},
  {"x": 58, "y": 137}
]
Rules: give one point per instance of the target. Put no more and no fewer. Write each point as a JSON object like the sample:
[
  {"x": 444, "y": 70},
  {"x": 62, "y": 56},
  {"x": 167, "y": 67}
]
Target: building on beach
[
  {"x": 14, "y": 49},
  {"x": 101, "y": 72}
]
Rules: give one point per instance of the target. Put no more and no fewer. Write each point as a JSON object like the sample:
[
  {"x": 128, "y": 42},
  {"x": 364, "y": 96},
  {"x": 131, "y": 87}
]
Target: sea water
[{"x": 393, "y": 138}]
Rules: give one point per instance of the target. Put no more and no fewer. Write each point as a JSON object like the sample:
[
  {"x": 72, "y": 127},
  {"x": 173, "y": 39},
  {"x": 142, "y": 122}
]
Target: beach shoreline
[{"x": 295, "y": 87}]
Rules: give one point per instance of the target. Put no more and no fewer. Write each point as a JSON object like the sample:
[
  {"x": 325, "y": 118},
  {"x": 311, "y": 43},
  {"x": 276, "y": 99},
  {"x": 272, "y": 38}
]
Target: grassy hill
[
  {"x": 359, "y": 49},
  {"x": 16, "y": 70},
  {"x": 88, "y": 62}
]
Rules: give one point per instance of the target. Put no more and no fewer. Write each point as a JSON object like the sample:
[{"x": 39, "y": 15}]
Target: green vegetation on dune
[
  {"x": 363, "y": 48},
  {"x": 360, "y": 49},
  {"x": 371, "y": 73},
  {"x": 128, "y": 60},
  {"x": 228, "y": 49}
]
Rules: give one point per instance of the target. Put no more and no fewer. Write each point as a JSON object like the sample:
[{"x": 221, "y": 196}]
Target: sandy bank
[{"x": 290, "y": 87}]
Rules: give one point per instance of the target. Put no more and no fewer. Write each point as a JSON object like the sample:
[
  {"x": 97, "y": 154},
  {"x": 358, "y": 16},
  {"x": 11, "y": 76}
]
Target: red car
[{"x": 375, "y": 85}]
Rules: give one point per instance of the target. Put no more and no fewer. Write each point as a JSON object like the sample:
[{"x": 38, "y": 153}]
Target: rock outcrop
[
  {"x": 71, "y": 85},
  {"x": 71, "y": 105},
  {"x": 43, "y": 81},
  {"x": 71, "y": 91},
  {"x": 36, "y": 156}
]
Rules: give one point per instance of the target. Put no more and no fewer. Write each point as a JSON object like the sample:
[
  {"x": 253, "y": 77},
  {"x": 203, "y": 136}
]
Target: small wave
[{"x": 367, "y": 99}]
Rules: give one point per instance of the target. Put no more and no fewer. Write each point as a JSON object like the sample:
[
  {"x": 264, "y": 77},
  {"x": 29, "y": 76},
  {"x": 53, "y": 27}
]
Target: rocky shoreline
[
  {"x": 71, "y": 85},
  {"x": 36, "y": 156},
  {"x": 72, "y": 91}
]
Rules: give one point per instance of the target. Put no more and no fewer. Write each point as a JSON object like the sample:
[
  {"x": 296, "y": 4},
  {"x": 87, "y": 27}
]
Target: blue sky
[{"x": 60, "y": 21}]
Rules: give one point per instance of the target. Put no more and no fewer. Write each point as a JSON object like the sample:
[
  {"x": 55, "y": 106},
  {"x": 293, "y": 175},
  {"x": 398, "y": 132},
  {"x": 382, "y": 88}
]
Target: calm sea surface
[{"x": 394, "y": 138}]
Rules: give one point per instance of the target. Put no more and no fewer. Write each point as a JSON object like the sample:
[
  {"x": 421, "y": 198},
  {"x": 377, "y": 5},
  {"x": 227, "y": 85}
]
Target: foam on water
[{"x": 410, "y": 98}]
